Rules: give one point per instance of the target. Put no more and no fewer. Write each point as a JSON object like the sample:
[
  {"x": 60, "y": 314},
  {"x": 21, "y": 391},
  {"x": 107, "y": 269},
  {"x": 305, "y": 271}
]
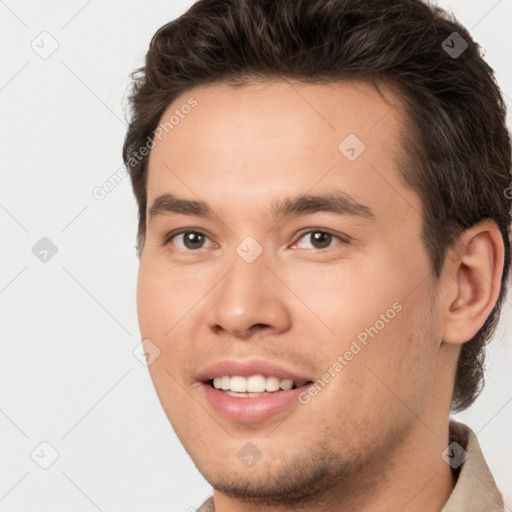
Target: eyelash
[{"x": 172, "y": 235}]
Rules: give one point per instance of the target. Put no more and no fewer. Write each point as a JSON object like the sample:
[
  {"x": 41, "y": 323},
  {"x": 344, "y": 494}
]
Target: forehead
[{"x": 266, "y": 139}]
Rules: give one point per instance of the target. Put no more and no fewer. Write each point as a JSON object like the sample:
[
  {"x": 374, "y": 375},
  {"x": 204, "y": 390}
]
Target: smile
[
  {"x": 254, "y": 406},
  {"x": 254, "y": 385}
]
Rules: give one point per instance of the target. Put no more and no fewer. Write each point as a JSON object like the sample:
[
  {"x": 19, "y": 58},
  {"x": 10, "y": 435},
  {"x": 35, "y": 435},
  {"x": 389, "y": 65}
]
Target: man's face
[{"x": 242, "y": 289}]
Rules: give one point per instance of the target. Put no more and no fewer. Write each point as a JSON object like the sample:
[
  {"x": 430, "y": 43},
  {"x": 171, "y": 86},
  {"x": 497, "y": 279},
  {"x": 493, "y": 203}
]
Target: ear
[{"x": 471, "y": 280}]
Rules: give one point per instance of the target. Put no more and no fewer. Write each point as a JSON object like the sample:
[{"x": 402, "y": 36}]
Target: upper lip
[{"x": 248, "y": 368}]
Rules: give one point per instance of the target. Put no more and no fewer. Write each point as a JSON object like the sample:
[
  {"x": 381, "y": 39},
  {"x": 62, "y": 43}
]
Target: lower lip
[{"x": 251, "y": 409}]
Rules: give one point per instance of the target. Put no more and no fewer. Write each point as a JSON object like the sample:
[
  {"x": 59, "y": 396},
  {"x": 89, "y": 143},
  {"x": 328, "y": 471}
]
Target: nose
[{"x": 250, "y": 298}]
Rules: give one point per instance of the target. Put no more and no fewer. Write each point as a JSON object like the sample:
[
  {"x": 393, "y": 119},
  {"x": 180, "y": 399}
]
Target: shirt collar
[{"x": 475, "y": 489}]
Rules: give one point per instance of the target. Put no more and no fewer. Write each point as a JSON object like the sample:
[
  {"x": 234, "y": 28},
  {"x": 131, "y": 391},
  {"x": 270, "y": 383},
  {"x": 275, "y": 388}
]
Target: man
[{"x": 324, "y": 249}]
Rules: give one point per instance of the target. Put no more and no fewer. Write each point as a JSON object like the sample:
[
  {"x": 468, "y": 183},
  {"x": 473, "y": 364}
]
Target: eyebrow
[{"x": 336, "y": 202}]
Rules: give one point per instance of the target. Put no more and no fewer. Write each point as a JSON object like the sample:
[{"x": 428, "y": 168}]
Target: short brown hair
[{"x": 457, "y": 147}]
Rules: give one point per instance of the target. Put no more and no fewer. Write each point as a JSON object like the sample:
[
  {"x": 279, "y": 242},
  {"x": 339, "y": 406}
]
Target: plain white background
[{"x": 68, "y": 375}]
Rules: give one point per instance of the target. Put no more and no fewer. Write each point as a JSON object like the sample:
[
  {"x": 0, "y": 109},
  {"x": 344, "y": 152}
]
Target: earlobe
[{"x": 472, "y": 280}]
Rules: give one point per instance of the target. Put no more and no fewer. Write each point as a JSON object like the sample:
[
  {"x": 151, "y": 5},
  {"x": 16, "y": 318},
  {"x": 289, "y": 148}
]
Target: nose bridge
[
  {"x": 249, "y": 271},
  {"x": 249, "y": 294}
]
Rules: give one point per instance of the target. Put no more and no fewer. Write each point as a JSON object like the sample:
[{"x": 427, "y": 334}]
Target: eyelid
[
  {"x": 344, "y": 238},
  {"x": 169, "y": 236}
]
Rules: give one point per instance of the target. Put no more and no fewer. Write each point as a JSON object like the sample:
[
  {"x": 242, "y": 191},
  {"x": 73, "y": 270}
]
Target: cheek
[
  {"x": 158, "y": 312},
  {"x": 166, "y": 317},
  {"x": 380, "y": 383},
  {"x": 398, "y": 363},
  {"x": 161, "y": 299},
  {"x": 382, "y": 325},
  {"x": 344, "y": 299},
  {"x": 148, "y": 297}
]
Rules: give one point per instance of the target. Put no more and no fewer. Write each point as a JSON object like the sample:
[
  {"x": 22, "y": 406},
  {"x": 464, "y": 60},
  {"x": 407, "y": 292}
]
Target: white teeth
[
  {"x": 255, "y": 384},
  {"x": 238, "y": 384},
  {"x": 225, "y": 382},
  {"x": 272, "y": 384},
  {"x": 286, "y": 384}
]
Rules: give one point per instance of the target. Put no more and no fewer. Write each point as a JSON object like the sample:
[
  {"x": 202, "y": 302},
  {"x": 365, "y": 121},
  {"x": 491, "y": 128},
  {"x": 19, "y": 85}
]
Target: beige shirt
[{"x": 475, "y": 489}]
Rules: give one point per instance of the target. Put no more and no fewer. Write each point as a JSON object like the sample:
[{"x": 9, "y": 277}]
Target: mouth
[
  {"x": 251, "y": 391},
  {"x": 253, "y": 386},
  {"x": 251, "y": 406}
]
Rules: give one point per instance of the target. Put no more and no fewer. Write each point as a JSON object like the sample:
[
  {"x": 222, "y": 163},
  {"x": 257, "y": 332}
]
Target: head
[{"x": 257, "y": 114}]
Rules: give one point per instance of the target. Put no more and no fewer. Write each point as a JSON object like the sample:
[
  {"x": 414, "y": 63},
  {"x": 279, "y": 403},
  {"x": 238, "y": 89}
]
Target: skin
[{"x": 372, "y": 438}]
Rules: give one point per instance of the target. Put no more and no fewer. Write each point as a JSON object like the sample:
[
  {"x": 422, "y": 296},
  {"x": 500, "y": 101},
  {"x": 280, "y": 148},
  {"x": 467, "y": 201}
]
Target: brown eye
[
  {"x": 193, "y": 240},
  {"x": 188, "y": 240},
  {"x": 318, "y": 239}
]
